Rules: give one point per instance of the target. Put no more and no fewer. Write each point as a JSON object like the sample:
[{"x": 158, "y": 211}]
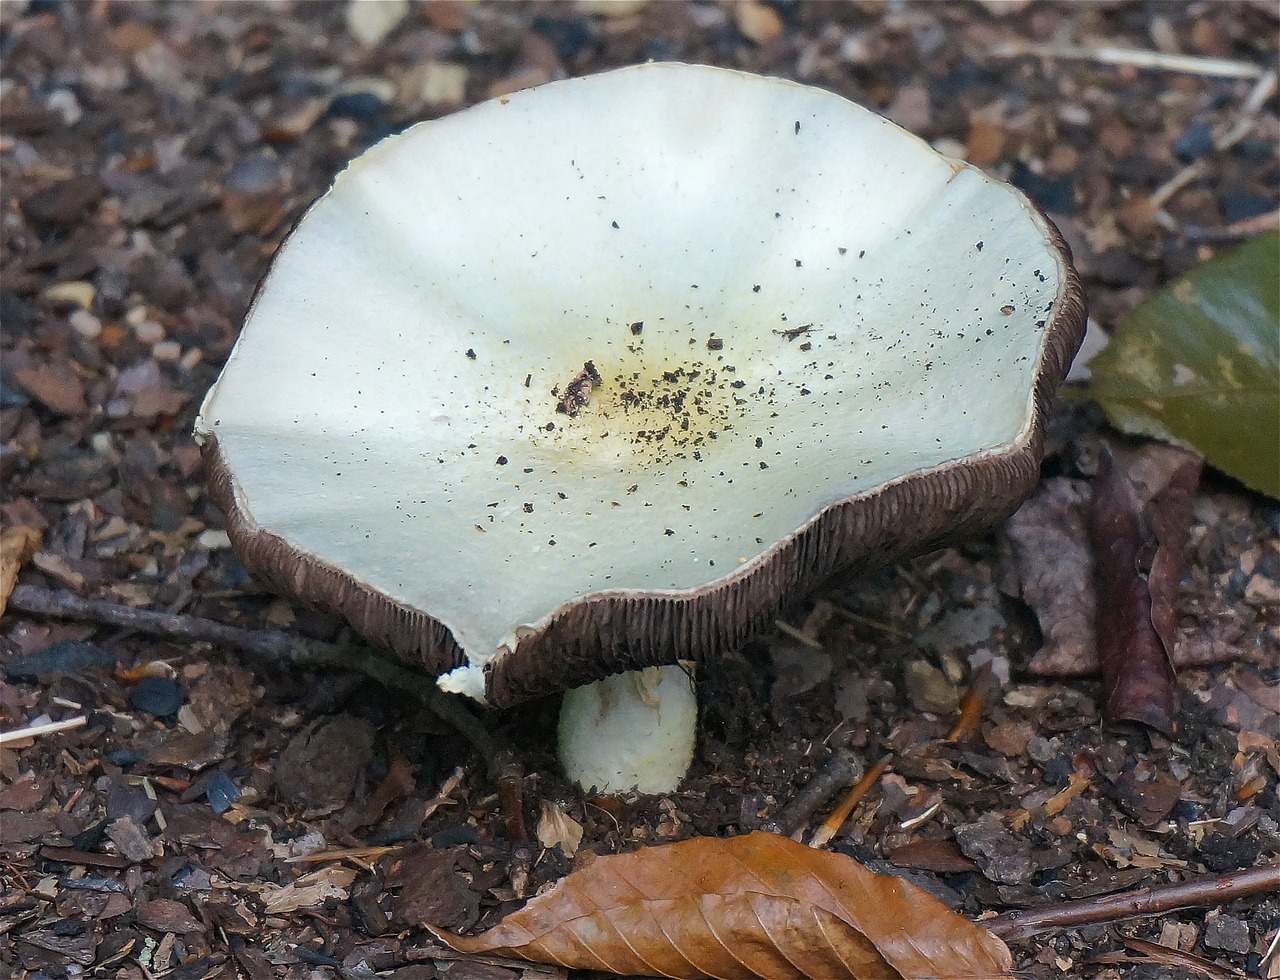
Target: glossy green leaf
[{"x": 1199, "y": 364}]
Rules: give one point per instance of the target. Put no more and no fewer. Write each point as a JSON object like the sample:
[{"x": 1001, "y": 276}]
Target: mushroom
[{"x": 595, "y": 377}]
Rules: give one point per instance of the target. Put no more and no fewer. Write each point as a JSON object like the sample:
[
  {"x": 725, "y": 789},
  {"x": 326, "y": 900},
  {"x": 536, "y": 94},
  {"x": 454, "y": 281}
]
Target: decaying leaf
[
  {"x": 17, "y": 545},
  {"x": 1139, "y": 521},
  {"x": 311, "y": 889},
  {"x": 1047, "y": 562},
  {"x": 557, "y": 827},
  {"x": 754, "y": 906},
  {"x": 1199, "y": 364}
]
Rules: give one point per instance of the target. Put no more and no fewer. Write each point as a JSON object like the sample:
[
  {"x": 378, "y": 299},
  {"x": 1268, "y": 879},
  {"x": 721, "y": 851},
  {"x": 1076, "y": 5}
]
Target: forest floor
[{"x": 153, "y": 156}]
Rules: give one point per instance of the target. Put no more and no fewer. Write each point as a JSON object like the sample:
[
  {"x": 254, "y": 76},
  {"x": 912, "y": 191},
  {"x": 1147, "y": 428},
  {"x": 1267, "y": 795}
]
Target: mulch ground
[{"x": 153, "y": 156}]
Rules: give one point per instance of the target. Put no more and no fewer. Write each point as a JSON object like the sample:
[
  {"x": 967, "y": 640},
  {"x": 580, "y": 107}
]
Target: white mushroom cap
[{"x": 818, "y": 344}]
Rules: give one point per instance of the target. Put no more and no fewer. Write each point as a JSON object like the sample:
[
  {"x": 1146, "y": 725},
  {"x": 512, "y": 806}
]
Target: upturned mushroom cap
[{"x": 600, "y": 374}]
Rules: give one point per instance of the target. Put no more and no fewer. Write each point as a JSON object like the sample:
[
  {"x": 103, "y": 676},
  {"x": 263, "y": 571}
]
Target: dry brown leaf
[
  {"x": 1139, "y": 521},
  {"x": 311, "y": 889},
  {"x": 17, "y": 545},
  {"x": 754, "y": 906},
  {"x": 557, "y": 827}
]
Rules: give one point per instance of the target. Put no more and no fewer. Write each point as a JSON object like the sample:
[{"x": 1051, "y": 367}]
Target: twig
[
  {"x": 48, "y": 728},
  {"x": 969, "y": 722},
  {"x": 1226, "y": 139},
  {"x": 275, "y": 647},
  {"x": 1262, "y": 91},
  {"x": 1187, "y": 175},
  {"x": 1235, "y": 231},
  {"x": 836, "y": 818},
  {"x": 1134, "y": 57},
  {"x": 797, "y": 634},
  {"x": 836, "y": 773},
  {"x": 509, "y": 775},
  {"x": 344, "y": 854},
  {"x": 1204, "y": 890},
  {"x": 1155, "y": 953}
]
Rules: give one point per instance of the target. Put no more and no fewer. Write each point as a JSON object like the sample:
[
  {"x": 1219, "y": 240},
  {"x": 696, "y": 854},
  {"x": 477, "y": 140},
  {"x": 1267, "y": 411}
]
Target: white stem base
[{"x": 630, "y": 731}]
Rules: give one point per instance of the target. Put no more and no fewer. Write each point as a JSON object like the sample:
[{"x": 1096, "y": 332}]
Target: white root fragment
[{"x": 630, "y": 731}]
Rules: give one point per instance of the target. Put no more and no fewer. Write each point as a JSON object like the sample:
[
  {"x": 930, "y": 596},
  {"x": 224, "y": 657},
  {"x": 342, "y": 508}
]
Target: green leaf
[{"x": 1199, "y": 364}]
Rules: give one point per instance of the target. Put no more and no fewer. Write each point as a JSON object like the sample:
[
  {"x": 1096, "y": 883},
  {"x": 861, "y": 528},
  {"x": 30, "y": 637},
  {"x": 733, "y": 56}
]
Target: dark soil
[{"x": 153, "y": 156}]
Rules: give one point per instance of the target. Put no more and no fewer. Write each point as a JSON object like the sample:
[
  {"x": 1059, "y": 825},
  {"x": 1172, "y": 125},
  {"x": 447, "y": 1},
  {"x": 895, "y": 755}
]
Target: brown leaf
[
  {"x": 309, "y": 890},
  {"x": 1139, "y": 521},
  {"x": 754, "y": 906},
  {"x": 17, "y": 545},
  {"x": 557, "y": 827},
  {"x": 930, "y": 855},
  {"x": 1050, "y": 567}
]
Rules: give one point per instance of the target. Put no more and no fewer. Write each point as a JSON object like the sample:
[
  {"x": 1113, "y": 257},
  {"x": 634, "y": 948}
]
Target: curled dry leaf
[
  {"x": 754, "y": 906},
  {"x": 311, "y": 889},
  {"x": 557, "y": 827},
  {"x": 17, "y": 545},
  {"x": 1139, "y": 522},
  {"x": 1047, "y": 562}
]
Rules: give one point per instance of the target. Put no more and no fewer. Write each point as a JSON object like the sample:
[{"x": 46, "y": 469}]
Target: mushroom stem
[{"x": 630, "y": 731}]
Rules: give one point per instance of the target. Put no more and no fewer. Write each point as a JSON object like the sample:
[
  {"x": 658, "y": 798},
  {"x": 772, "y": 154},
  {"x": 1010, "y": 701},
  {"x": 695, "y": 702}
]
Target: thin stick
[
  {"x": 969, "y": 722},
  {"x": 836, "y": 773},
  {"x": 509, "y": 775},
  {"x": 836, "y": 818},
  {"x": 1262, "y": 91},
  {"x": 344, "y": 853},
  {"x": 1203, "y": 890},
  {"x": 48, "y": 728},
  {"x": 275, "y": 647},
  {"x": 1155, "y": 953},
  {"x": 1239, "y": 129},
  {"x": 1187, "y": 175},
  {"x": 797, "y": 634},
  {"x": 1134, "y": 57},
  {"x": 1235, "y": 231}
]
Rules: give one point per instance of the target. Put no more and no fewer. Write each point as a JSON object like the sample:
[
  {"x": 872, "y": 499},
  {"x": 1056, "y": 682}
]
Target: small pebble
[
  {"x": 156, "y": 696},
  {"x": 443, "y": 83},
  {"x": 64, "y": 102},
  {"x": 149, "y": 332},
  {"x": 355, "y": 105},
  {"x": 309, "y": 843},
  {"x": 370, "y": 21},
  {"x": 1262, "y": 591},
  {"x": 213, "y": 539},
  {"x": 1041, "y": 749},
  {"x": 78, "y": 293},
  {"x": 167, "y": 351},
  {"x": 85, "y": 324},
  {"x": 1227, "y": 933},
  {"x": 1196, "y": 140},
  {"x": 257, "y": 174},
  {"x": 221, "y": 793}
]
